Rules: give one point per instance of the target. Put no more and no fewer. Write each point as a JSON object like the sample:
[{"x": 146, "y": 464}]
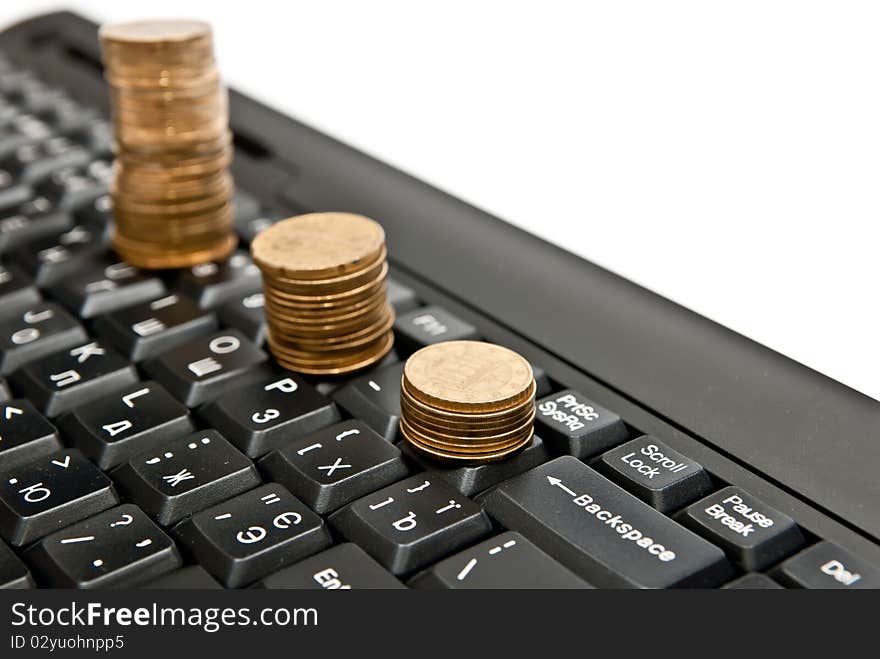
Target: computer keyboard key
[
  {"x": 118, "y": 548},
  {"x": 329, "y": 386},
  {"x": 505, "y": 561},
  {"x": 246, "y": 210},
  {"x": 96, "y": 135},
  {"x": 246, "y": 315},
  {"x": 39, "y": 331},
  {"x": 658, "y": 475},
  {"x": 185, "y": 475},
  {"x": 31, "y": 220},
  {"x": 401, "y": 297},
  {"x": 343, "y": 567},
  {"x": 247, "y": 230},
  {"x": 752, "y": 581},
  {"x": 270, "y": 412},
  {"x": 12, "y": 192},
  {"x": 73, "y": 377},
  {"x": 473, "y": 479},
  {"x": 13, "y": 573},
  {"x": 126, "y": 423},
  {"x": 49, "y": 493},
  {"x": 570, "y": 423},
  {"x": 146, "y": 330},
  {"x": 203, "y": 368},
  {"x": 51, "y": 259},
  {"x": 242, "y": 540},
  {"x": 212, "y": 284},
  {"x": 22, "y": 129},
  {"x": 375, "y": 399},
  {"x": 25, "y": 434},
  {"x": 74, "y": 187},
  {"x": 8, "y": 111},
  {"x": 429, "y": 325},
  {"x": 36, "y": 161},
  {"x": 32, "y": 94},
  {"x": 103, "y": 286},
  {"x": 14, "y": 80},
  {"x": 245, "y": 207},
  {"x": 753, "y": 534},
  {"x": 191, "y": 577},
  {"x": 601, "y": 532},
  {"x": 412, "y": 523},
  {"x": 827, "y": 566},
  {"x": 99, "y": 212},
  {"x": 17, "y": 290},
  {"x": 543, "y": 386},
  {"x": 335, "y": 466},
  {"x": 66, "y": 115}
]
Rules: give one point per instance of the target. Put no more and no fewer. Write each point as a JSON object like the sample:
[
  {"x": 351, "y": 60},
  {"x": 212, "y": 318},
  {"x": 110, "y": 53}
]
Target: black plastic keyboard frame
[{"x": 802, "y": 442}]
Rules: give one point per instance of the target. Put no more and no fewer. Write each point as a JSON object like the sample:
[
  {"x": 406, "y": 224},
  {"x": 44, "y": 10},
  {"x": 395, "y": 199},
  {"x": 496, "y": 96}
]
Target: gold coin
[
  {"x": 173, "y": 236},
  {"x": 183, "y": 137},
  {"x": 357, "y": 362},
  {"x": 333, "y": 342},
  {"x": 331, "y": 318},
  {"x": 155, "y": 34},
  {"x": 171, "y": 193},
  {"x": 471, "y": 427},
  {"x": 468, "y": 376},
  {"x": 467, "y": 402},
  {"x": 195, "y": 207},
  {"x": 370, "y": 273},
  {"x": 301, "y": 313},
  {"x": 472, "y": 441},
  {"x": 324, "y": 291},
  {"x": 446, "y": 415},
  {"x": 321, "y": 310},
  {"x": 470, "y": 432},
  {"x": 366, "y": 291},
  {"x": 170, "y": 153},
  {"x": 217, "y": 186},
  {"x": 464, "y": 458},
  {"x": 318, "y": 245},
  {"x": 136, "y": 255}
]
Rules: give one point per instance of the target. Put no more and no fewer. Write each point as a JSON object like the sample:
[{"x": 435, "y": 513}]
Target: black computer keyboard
[{"x": 147, "y": 438}]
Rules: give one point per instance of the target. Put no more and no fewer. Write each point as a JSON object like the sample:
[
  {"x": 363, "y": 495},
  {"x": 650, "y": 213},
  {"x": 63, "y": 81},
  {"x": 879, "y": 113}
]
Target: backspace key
[{"x": 601, "y": 532}]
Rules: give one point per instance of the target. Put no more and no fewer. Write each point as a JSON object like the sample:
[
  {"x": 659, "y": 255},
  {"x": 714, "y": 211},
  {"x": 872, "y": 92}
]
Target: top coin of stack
[
  {"x": 171, "y": 194},
  {"x": 326, "y": 306},
  {"x": 467, "y": 402}
]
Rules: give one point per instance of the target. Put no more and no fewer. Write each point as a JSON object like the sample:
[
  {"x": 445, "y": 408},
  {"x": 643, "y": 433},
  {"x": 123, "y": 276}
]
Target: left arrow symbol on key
[{"x": 558, "y": 483}]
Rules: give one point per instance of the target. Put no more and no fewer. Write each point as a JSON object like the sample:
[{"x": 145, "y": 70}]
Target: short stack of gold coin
[
  {"x": 172, "y": 194},
  {"x": 467, "y": 402},
  {"x": 326, "y": 306}
]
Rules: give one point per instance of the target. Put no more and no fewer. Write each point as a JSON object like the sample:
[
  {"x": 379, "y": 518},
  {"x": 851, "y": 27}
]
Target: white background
[{"x": 724, "y": 154}]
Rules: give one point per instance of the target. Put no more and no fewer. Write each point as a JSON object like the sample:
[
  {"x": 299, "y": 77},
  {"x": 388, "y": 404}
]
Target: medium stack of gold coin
[
  {"x": 172, "y": 194},
  {"x": 326, "y": 305},
  {"x": 467, "y": 402}
]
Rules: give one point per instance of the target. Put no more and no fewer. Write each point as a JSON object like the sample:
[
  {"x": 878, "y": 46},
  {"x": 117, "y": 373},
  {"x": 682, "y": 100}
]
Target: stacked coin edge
[
  {"x": 466, "y": 434},
  {"x": 328, "y": 323},
  {"x": 172, "y": 193}
]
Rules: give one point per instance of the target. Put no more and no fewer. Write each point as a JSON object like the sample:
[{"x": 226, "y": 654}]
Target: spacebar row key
[{"x": 601, "y": 532}]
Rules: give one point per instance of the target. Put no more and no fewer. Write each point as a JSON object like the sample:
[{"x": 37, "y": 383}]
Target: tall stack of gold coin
[
  {"x": 467, "y": 402},
  {"x": 172, "y": 194},
  {"x": 326, "y": 305}
]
